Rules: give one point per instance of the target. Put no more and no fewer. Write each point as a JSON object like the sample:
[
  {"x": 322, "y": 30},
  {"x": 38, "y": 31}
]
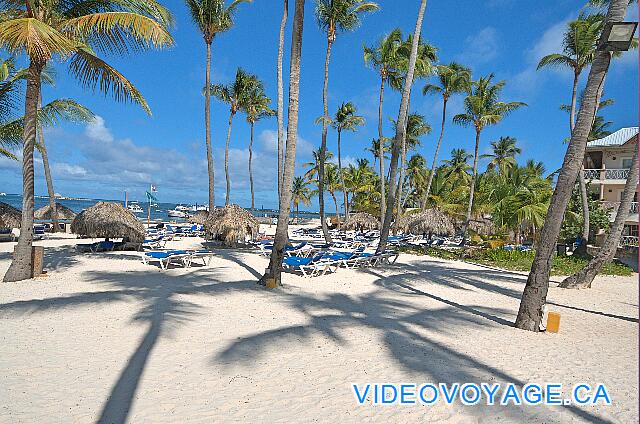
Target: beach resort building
[{"x": 606, "y": 167}]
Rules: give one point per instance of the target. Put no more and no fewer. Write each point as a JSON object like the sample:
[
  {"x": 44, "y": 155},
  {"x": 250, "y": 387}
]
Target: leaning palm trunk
[
  {"x": 344, "y": 188},
  {"x": 584, "y": 199},
  {"x": 281, "y": 237},
  {"x": 47, "y": 174},
  {"x": 403, "y": 160},
  {"x": 535, "y": 292},
  {"x": 323, "y": 146},
  {"x": 253, "y": 206},
  {"x": 207, "y": 126},
  {"x": 21, "y": 266},
  {"x": 383, "y": 206},
  {"x": 584, "y": 277},
  {"x": 472, "y": 190},
  {"x": 226, "y": 161},
  {"x": 435, "y": 155},
  {"x": 283, "y": 24},
  {"x": 401, "y": 130}
]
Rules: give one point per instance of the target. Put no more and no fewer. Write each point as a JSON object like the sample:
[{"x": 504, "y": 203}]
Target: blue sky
[{"x": 124, "y": 149}]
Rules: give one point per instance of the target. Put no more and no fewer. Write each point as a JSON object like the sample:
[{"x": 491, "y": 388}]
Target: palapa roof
[
  {"x": 231, "y": 224},
  {"x": 199, "y": 217},
  {"x": 430, "y": 221},
  {"x": 62, "y": 211},
  {"x": 482, "y": 226},
  {"x": 108, "y": 220},
  {"x": 10, "y": 217},
  {"x": 362, "y": 221}
]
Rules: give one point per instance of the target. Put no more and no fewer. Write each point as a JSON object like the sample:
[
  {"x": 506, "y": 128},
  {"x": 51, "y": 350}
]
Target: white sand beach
[{"x": 105, "y": 338}]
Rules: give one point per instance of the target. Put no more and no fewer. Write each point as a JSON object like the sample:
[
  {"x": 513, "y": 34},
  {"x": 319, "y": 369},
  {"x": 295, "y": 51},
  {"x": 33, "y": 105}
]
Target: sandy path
[{"x": 104, "y": 337}]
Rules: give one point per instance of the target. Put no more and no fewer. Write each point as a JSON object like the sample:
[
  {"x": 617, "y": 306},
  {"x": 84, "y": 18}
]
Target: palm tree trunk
[
  {"x": 584, "y": 277},
  {"x": 535, "y": 292},
  {"x": 250, "y": 171},
  {"x": 344, "y": 188},
  {"x": 207, "y": 126},
  {"x": 383, "y": 206},
  {"x": 401, "y": 129},
  {"x": 335, "y": 201},
  {"x": 435, "y": 156},
  {"x": 403, "y": 160},
  {"x": 584, "y": 199},
  {"x": 226, "y": 161},
  {"x": 47, "y": 174},
  {"x": 283, "y": 24},
  {"x": 280, "y": 240},
  {"x": 473, "y": 185},
  {"x": 323, "y": 145},
  {"x": 21, "y": 267}
]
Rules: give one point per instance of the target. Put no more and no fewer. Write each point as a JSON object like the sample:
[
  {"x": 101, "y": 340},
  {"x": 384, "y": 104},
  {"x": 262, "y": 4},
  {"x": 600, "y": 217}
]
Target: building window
[
  {"x": 626, "y": 163},
  {"x": 630, "y": 230}
]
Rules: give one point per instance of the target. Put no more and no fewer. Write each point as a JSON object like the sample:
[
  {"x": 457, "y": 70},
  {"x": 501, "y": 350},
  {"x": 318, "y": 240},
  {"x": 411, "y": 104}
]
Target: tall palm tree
[
  {"x": 272, "y": 277},
  {"x": 384, "y": 58},
  {"x": 280, "y": 109},
  {"x": 401, "y": 129},
  {"x": 236, "y": 95},
  {"x": 483, "y": 108},
  {"x": 453, "y": 79},
  {"x": 211, "y": 17},
  {"x": 457, "y": 168},
  {"x": 346, "y": 118},
  {"x": 504, "y": 154},
  {"x": 256, "y": 107},
  {"x": 300, "y": 193},
  {"x": 534, "y": 295},
  {"x": 73, "y": 32},
  {"x": 579, "y": 47},
  {"x": 334, "y": 16},
  {"x": 333, "y": 184}
]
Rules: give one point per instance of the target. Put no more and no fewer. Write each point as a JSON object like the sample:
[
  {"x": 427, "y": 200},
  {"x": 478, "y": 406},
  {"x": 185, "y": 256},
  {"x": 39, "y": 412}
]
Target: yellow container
[{"x": 553, "y": 322}]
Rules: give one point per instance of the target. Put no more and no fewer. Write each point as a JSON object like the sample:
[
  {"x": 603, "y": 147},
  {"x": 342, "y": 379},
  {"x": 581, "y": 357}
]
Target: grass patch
[{"x": 518, "y": 261}]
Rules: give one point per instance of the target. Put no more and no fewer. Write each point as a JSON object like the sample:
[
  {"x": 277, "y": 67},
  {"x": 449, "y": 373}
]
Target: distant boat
[
  {"x": 183, "y": 208},
  {"x": 135, "y": 208},
  {"x": 175, "y": 213},
  {"x": 3, "y": 194},
  {"x": 198, "y": 208}
]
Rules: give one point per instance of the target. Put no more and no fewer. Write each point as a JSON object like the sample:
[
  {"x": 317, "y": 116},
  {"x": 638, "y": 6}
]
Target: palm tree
[
  {"x": 416, "y": 127},
  {"x": 300, "y": 193},
  {"x": 384, "y": 58},
  {"x": 236, "y": 95},
  {"x": 70, "y": 31},
  {"x": 272, "y": 277},
  {"x": 256, "y": 108},
  {"x": 333, "y": 184},
  {"x": 453, "y": 79},
  {"x": 280, "y": 110},
  {"x": 483, "y": 108},
  {"x": 10, "y": 135},
  {"x": 416, "y": 177},
  {"x": 334, "y": 16},
  {"x": 504, "y": 154},
  {"x": 314, "y": 166},
  {"x": 211, "y": 17},
  {"x": 401, "y": 130},
  {"x": 457, "y": 168},
  {"x": 535, "y": 292},
  {"x": 361, "y": 181},
  {"x": 375, "y": 149},
  {"x": 345, "y": 119},
  {"x": 579, "y": 48}
]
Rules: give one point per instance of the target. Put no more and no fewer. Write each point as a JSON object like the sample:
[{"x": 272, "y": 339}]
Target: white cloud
[
  {"x": 269, "y": 142},
  {"x": 480, "y": 48}
]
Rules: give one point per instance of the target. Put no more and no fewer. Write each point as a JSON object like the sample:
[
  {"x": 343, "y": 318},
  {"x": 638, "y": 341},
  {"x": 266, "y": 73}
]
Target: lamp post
[{"x": 617, "y": 36}]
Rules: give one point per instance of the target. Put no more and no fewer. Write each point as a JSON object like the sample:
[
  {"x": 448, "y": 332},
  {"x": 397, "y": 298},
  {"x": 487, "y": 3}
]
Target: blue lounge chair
[{"x": 310, "y": 267}]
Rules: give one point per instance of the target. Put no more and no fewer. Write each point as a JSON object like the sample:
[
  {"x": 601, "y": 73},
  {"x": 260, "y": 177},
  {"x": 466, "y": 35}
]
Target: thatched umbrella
[
  {"x": 482, "y": 226},
  {"x": 108, "y": 220},
  {"x": 10, "y": 217},
  {"x": 232, "y": 225},
  {"x": 361, "y": 221},
  {"x": 431, "y": 221},
  {"x": 199, "y": 217},
  {"x": 401, "y": 225},
  {"x": 63, "y": 212}
]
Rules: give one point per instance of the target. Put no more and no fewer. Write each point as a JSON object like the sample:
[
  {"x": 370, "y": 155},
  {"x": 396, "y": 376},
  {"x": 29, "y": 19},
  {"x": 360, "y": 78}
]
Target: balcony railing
[
  {"x": 615, "y": 205},
  {"x": 606, "y": 174},
  {"x": 628, "y": 241}
]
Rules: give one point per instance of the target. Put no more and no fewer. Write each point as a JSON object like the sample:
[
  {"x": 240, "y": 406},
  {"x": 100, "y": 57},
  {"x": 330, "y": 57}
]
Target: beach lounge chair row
[
  {"x": 181, "y": 257},
  {"x": 100, "y": 246},
  {"x": 329, "y": 261}
]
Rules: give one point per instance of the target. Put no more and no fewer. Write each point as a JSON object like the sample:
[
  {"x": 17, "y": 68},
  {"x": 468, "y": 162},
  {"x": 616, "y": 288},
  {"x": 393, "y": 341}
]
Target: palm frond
[{"x": 39, "y": 40}]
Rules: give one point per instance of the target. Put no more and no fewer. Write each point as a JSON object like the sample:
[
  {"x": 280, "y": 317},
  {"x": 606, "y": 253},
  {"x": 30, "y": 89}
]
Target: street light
[{"x": 617, "y": 36}]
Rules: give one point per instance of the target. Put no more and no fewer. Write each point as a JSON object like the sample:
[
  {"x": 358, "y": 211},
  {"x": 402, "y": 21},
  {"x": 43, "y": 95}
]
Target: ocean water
[{"x": 158, "y": 213}]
